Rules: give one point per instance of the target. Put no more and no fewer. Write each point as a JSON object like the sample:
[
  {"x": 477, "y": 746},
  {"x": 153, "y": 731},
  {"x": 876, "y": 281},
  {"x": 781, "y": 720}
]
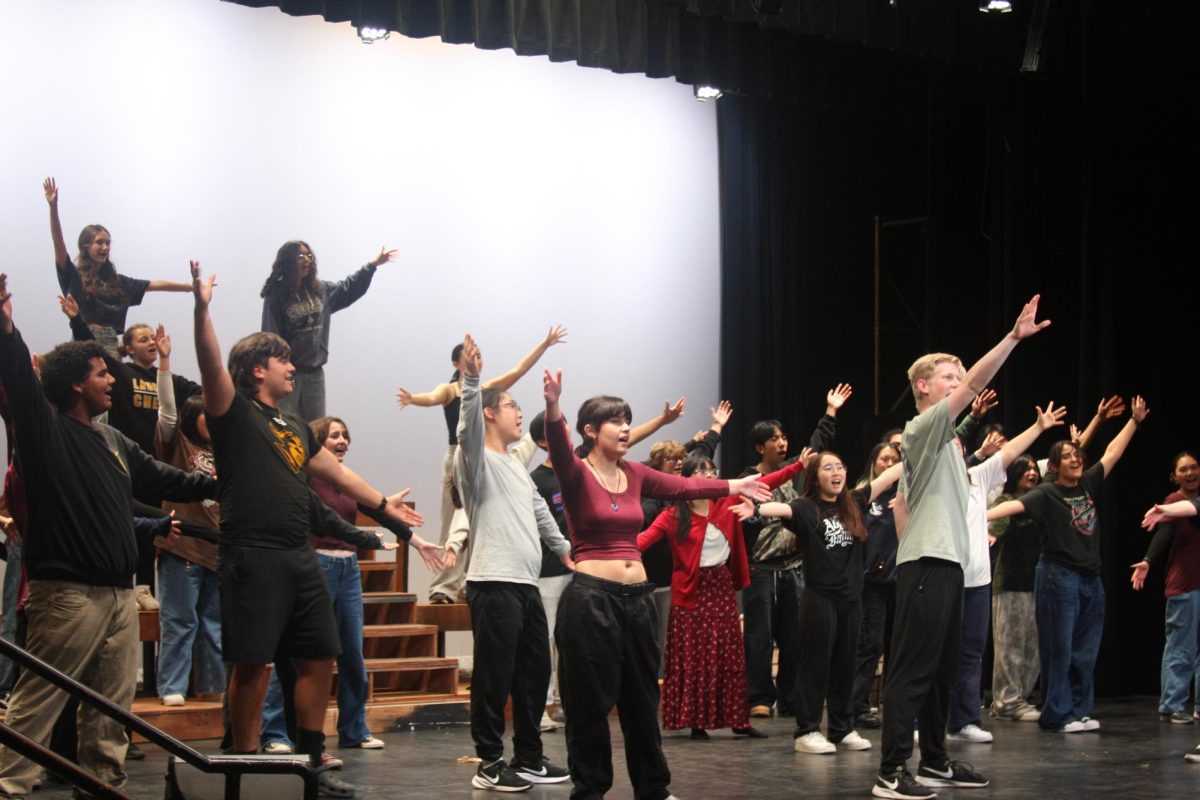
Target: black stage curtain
[
  {"x": 1059, "y": 184},
  {"x": 810, "y": 50}
]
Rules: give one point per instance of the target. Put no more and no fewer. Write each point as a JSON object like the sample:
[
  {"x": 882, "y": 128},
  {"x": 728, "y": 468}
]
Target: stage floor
[{"x": 1133, "y": 756}]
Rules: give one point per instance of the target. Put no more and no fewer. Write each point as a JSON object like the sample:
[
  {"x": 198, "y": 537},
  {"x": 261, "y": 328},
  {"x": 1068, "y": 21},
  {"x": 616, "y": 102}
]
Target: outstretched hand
[
  {"x": 1052, "y": 417},
  {"x": 743, "y": 510},
  {"x": 806, "y": 456},
  {"x": 992, "y": 444},
  {"x": 384, "y": 256},
  {"x": 1027, "y": 324},
  {"x": 50, "y": 189},
  {"x": 836, "y": 397},
  {"x": 722, "y": 413},
  {"x": 162, "y": 340},
  {"x": 1112, "y": 407},
  {"x": 552, "y": 386},
  {"x": 557, "y": 335},
  {"x": 403, "y": 398},
  {"x": 1154, "y": 517},
  {"x": 470, "y": 357},
  {"x": 69, "y": 306},
  {"x": 984, "y": 402},
  {"x": 1139, "y": 409},
  {"x": 398, "y": 510},
  {"x": 202, "y": 287},
  {"x": 751, "y": 487},
  {"x": 431, "y": 554},
  {"x": 670, "y": 413},
  {"x": 1140, "y": 569}
]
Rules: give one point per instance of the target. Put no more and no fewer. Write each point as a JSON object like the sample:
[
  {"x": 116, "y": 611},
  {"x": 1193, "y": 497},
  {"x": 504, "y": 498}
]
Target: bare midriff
[{"x": 617, "y": 570}]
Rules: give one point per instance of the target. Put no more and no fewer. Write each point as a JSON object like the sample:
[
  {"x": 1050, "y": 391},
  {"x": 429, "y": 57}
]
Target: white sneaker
[
  {"x": 547, "y": 725},
  {"x": 1090, "y": 724},
  {"x": 1074, "y": 726},
  {"x": 277, "y": 749},
  {"x": 854, "y": 741},
  {"x": 1193, "y": 756},
  {"x": 814, "y": 742},
  {"x": 970, "y": 733},
  {"x": 175, "y": 699},
  {"x": 371, "y": 743}
]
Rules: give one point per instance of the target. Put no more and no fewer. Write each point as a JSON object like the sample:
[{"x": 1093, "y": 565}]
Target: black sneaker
[
  {"x": 952, "y": 773},
  {"x": 868, "y": 720},
  {"x": 499, "y": 777},
  {"x": 328, "y": 785},
  {"x": 540, "y": 772},
  {"x": 901, "y": 785}
]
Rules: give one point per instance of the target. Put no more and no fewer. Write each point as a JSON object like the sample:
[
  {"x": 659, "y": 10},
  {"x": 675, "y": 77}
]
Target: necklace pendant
[{"x": 615, "y": 507}]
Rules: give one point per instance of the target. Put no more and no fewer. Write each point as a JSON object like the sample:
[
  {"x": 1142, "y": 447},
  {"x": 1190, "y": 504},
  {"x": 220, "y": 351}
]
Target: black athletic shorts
[{"x": 275, "y": 604}]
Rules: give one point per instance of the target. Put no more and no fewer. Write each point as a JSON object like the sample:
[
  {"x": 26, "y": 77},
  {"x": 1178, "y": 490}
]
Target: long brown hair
[
  {"x": 847, "y": 510},
  {"x": 283, "y": 271}
]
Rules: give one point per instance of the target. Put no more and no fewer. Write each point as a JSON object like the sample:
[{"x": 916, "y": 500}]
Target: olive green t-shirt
[{"x": 934, "y": 485}]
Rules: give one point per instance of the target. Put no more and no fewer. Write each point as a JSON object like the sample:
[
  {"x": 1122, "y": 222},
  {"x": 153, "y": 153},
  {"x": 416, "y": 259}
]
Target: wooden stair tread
[
  {"x": 377, "y": 566},
  {"x": 388, "y": 597},
  {"x": 399, "y": 629},
  {"x": 447, "y": 616},
  {"x": 408, "y": 664}
]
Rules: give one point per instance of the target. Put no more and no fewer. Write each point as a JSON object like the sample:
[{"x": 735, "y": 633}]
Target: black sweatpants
[
  {"x": 607, "y": 656},
  {"x": 828, "y": 646},
  {"x": 874, "y": 639},
  {"x": 512, "y": 656},
  {"x": 925, "y": 639}
]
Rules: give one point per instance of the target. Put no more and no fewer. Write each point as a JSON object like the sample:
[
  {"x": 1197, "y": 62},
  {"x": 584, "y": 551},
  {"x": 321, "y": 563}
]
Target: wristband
[{"x": 382, "y": 504}]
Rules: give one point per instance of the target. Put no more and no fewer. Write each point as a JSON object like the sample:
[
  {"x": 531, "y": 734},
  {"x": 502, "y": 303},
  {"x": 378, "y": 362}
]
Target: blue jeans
[
  {"x": 1070, "y": 620},
  {"x": 189, "y": 627},
  {"x": 8, "y": 628},
  {"x": 345, "y": 589},
  {"x": 771, "y": 614},
  {"x": 1181, "y": 657},
  {"x": 976, "y": 621},
  {"x": 307, "y": 399}
]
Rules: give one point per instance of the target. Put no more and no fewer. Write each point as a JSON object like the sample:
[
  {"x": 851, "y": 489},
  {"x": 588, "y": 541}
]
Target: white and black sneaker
[
  {"x": 541, "y": 772},
  {"x": 900, "y": 785},
  {"x": 952, "y": 773},
  {"x": 499, "y": 777}
]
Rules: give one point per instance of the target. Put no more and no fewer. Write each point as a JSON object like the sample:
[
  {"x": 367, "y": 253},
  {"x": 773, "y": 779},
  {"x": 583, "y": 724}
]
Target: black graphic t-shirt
[
  {"x": 833, "y": 558},
  {"x": 261, "y": 455},
  {"x": 550, "y": 490},
  {"x": 1069, "y": 521}
]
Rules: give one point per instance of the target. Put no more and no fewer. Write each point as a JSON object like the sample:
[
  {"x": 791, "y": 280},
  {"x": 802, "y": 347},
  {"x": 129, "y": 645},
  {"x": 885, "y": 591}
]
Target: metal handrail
[{"x": 231, "y": 767}]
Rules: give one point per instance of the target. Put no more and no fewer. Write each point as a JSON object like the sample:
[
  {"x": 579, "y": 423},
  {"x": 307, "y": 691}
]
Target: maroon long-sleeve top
[{"x": 604, "y": 525}]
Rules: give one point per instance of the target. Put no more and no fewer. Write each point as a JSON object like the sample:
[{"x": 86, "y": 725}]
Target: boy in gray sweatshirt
[{"x": 511, "y": 650}]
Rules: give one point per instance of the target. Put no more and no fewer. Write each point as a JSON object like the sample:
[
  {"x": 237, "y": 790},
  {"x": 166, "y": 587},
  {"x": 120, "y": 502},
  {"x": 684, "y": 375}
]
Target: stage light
[
  {"x": 995, "y": 6},
  {"x": 706, "y": 93},
  {"x": 371, "y": 35}
]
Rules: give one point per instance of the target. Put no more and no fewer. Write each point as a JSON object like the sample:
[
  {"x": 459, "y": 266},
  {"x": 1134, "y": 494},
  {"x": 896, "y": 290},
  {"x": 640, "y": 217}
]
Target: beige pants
[
  {"x": 449, "y": 581},
  {"x": 91, "y": 634}
]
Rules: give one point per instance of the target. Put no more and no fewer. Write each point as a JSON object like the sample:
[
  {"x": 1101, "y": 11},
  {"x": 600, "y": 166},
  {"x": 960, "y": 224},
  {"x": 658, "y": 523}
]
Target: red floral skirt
[{"x": 705, "y": 681}]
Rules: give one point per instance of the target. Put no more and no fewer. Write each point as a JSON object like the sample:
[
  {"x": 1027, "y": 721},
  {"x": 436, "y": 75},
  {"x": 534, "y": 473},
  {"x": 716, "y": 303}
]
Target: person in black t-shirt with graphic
[
  {"x": 827, "y": 520},
  {"x": 1069, "y": 594},
  {"x": 274, "y": 600}
]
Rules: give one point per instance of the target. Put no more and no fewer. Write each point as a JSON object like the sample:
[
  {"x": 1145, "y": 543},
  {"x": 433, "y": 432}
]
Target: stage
[{"x": 1132, "y": 756}]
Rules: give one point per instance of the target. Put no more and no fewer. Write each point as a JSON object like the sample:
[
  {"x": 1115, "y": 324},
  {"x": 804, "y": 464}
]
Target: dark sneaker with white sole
[
  {"x": 953, "y": 773},
  {"x": 540, "y": 772},
  {"x": 328, "y": 785},
  {"x": 900, "y": 785},
  {"x": 499, "y": 777}
]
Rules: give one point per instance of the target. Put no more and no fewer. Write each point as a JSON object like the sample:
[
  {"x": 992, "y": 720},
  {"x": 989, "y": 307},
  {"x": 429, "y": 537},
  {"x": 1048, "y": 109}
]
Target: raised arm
[
  {"x": 442, "y": 395},
  {"x": 1116, "y": 448},
  {"x": 981, "y": 374},
  {"x": 325, "y": 466},
  {"x": 669, "y": 414},
  {"x": 1050, "y": 418},
  {"x": 1108, "y": 409},
  {"x": 1008, "y": 508},
  {"x": 168, "y": 415},
  {"x": 61, "y": 256},
  {"x": 214, "y": 378},
  {"x": 557, "y": 334},
  {"x": 469, "y": 456},
  {"x": 168, "y": 286},
  {"x": 662, "y": 525},
  {"x": 886, "y": 480},
  {"x": 1164, "y": 511}
]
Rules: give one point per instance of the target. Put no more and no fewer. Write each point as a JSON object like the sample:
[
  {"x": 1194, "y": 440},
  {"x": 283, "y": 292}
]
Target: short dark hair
[
  {"x": 889, "y": 433},
  {"x": 66, "y": 365},
  {"x": 253, "y": 351},
  {"x": 537, "y": 428},
  {"x": 683, "y": 512},
  {"x": 596, "y": 411},
  {"x": 1056, "y": 456},
  {"x": 490, "y": 397},
  {"x": 189, "y": 419},
  {"x": 763, "y": 431}
]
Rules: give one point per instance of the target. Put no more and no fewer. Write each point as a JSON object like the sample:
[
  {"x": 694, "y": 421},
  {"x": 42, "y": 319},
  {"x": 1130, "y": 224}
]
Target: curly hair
[
  {"x": 65, "y": 366},
  {"x": 283, "y": 271}
]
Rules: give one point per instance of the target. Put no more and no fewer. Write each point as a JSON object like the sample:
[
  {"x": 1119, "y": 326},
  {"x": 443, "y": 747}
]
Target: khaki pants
[
  {"x": 90, "y": 633},
  {"x": 450, "y": 581}
]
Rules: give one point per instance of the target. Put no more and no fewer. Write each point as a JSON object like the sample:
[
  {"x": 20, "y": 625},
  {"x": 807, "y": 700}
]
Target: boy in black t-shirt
[{"x": 274, "y": 601}]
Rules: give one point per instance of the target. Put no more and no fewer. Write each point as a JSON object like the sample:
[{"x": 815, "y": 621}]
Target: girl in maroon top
[
  {"x": 606, "y": 618},
  {"x": 705, "y": 681}
]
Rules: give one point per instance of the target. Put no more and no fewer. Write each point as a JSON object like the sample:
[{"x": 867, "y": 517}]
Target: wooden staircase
[{"x": 411, "y": 683}]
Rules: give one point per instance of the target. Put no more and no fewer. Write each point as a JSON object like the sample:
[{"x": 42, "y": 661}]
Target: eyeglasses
[
  {"x": 511, "y": 404},
  {"x": 706, "y": 472},
  {"x": 833, "y": 468},
  {"x": 673, "y": 458},
  {"x": 305, "y": 256}
]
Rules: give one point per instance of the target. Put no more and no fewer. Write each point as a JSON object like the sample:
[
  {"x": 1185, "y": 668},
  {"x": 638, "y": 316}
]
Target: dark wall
[{"x": 1069, "y": 183}]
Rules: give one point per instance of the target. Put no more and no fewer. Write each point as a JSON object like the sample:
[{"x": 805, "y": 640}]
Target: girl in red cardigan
[{"x": 704, "y": 682}]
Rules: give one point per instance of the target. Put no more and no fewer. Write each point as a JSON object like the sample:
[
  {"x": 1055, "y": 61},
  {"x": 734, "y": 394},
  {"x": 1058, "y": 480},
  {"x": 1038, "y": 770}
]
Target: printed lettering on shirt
[
  {"x": 310, "y": 307},
  {"x": 556, "y": 502},
  {"x": 876, "y": 509},
  {"x": 145, "y": 394},
  {"x": 835, "y": 534},
  {"x": 1083, "y": 513}
]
